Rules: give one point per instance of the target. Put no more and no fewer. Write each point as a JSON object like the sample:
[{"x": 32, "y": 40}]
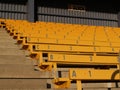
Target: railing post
[
  {"x": 31, "y": 10},
  {"x": 119, "y": 19}
]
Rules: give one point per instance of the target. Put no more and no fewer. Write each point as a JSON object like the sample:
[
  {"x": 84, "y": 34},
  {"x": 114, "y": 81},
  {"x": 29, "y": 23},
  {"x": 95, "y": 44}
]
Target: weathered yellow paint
[
  {"x": 61, "y": 82},
  {"x": 82, "y": 59},
  {"x": 91, "y": 74}
]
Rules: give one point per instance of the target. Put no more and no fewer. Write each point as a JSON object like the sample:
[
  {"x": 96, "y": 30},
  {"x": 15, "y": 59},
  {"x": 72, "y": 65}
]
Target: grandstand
[{"x": 59, "y": 45}]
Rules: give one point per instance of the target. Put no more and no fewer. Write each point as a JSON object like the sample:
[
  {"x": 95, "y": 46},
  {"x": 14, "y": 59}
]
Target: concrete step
[
  {"x": 6, "y": 36},
  {"x": 11, "y": 51},
  {"x": 96, "y": 89},
  {"x": 2, "y": 33},
  {"x": 100, "y": 85},
  {"x": 114, "y": 89},
  {"x": 9, "y": 45},
  {"x": 22, "y": 71},
  {"x": 21, "y": 84},
  {"x": 7, "y": 39},
  {"x": 3, "y": 30},
  {"x": 101, "y": 88},
  {"x": 26, "y": 89},
  {"x": 15, "y": 59}
]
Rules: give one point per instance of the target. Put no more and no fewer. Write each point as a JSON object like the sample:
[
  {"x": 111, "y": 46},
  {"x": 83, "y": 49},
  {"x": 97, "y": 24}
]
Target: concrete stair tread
[
  {"x": 100, "y": 85},
  {"x": 101, "y": 89},
  {"x": 3, "y": 32},
  {"x": 8, "y": 45},
  {"x": 3, "y": 40},
  {"x": 27, "y": 84},
  {"x": 15, "y": 59},
  {"x": 11, "y": 51},
  {"x": 21, "y": 71}
]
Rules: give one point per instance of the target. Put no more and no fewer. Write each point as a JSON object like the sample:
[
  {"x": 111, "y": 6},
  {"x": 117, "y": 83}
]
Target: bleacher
[{"x": 74, "y": 53}]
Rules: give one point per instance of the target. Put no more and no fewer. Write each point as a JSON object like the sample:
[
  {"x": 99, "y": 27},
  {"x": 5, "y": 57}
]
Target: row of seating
[{"x": 88, "y": 53}]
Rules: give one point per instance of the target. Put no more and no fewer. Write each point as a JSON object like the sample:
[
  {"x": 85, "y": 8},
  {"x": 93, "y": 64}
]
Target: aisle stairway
[{"x": 16, "y": 70}]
